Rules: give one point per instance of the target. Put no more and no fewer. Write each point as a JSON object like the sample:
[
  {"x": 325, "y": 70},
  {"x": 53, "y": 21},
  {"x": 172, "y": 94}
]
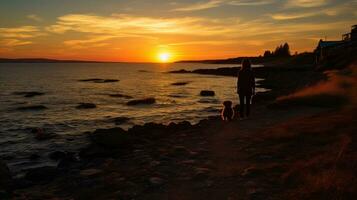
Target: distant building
[{"x": 326, "y": 49}]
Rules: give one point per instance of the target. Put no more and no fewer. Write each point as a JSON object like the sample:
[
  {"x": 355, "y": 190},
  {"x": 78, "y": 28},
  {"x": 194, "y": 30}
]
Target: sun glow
[{"x": 164, "y": 57}]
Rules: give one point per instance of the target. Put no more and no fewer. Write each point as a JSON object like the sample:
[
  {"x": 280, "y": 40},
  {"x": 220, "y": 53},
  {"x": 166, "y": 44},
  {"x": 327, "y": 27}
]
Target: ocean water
[{"x": 63, "y": 92}]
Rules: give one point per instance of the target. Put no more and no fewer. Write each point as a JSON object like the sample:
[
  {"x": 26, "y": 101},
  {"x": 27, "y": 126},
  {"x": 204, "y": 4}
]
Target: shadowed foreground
[{"x": 289, "y": 149}]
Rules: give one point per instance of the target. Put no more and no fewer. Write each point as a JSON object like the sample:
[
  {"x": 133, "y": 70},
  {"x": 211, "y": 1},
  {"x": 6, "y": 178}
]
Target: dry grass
[{"x": 320, "y": 151}]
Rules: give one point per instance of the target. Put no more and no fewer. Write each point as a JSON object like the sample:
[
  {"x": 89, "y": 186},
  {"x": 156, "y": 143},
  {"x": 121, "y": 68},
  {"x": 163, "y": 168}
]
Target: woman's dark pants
[{"x": 244, "y": 102}]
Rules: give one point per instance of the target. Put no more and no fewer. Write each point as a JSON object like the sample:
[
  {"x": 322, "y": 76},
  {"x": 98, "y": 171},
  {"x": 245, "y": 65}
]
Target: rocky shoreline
[{"x": 156, "y": 161}]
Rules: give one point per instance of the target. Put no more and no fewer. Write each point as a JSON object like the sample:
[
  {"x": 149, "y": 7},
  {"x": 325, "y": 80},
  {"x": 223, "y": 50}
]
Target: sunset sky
[{"x": 146, "y": 30}]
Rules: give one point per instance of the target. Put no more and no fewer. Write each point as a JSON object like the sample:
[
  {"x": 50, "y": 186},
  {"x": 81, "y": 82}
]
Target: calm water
[{"x": 63, "y": 92}]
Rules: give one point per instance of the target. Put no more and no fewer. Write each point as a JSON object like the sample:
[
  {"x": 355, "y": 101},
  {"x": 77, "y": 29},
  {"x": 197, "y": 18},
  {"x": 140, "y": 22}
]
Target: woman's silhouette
[{"x": 245, "y": 87}]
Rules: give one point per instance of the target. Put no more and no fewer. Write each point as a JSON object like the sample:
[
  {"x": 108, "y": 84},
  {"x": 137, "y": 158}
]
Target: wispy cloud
[
  {"x": 13, "y": 42},
  {"x": 201, "y": 5},
  {"x": 250, "y": 2},
  {"x": 293, "y": 16},
  {"x": 217, "y": 3},
  {"x": 306, "y": 3},
  {"x": 133, "y": 26},
  {"x": 19, "y": 36},
  {"x": 34, "y": 17},
  {"x": 335, "y": 10},
  {"x": 90, "y": 42},
  {"x": 20, "y": 32}
]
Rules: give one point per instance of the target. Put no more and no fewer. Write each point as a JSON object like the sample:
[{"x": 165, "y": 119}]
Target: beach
[{"x": 272, "y": 155}]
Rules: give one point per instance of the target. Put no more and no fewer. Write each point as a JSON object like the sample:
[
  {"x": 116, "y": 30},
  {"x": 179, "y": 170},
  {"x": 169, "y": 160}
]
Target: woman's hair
[{"x": 246, "y": 64}]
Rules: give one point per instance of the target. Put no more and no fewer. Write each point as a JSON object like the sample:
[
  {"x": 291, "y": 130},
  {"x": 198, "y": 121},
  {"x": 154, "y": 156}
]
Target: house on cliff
[{"x": 327, "y": 50}]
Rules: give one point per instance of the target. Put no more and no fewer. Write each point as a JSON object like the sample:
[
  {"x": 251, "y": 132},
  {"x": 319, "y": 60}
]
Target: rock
[
  {"x": 69, "y": 160},
  {"x": 90, "y": 80},
  {"x": 184, "y": 125},
  {"x": 42, "y": 174},
  {"x": 40, "y": 134},
  {"x": 111, "y": 138},
  {"x": 207, "y": 93},
  {"x": 99, "y": 80},
  {"x": 90, "y": 172},
  {"x": 146, "y": 101},
  {"x": 251, "y": 172},
  {"x": 180, "y": 83},
  {"x": 156, "y": 181},
  {"x": 201, "y": 173},
  {"x": 5, "y": 176},
  {"x": 34, "y": 156},
  {"x": 86, "y": 106},
  {"x": 154, "y": 163},
  {"x": 29, "y": 94},
  {"x": 121, "y": 96},
  {"x": 32, "y": 108},
  {"x": 188, "y": 162},
  {"x": 179, "y": 151},
  {"x": 120, "y": 120},
  {"x": 110, "y": 80},
  {"x": 57, "y": 155}
]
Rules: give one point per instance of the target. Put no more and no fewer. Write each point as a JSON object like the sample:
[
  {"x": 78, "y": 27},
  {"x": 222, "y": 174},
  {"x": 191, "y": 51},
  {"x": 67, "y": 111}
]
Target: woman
[{"x": 245, "y": 87}]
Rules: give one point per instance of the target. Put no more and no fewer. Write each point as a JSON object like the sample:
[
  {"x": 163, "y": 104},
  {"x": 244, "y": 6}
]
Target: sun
[{"x": 164, "y": 57}]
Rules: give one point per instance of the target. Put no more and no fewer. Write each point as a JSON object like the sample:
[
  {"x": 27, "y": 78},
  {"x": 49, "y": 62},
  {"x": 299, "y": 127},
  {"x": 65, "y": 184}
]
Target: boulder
[
  {"x": 34, "y": 156},
  {"x": 156, "y": 181},
  {"x": 207, "y": 93},
  {"x": 98, "y": 80},
  {"x": 180, "y": 83},
  {"x": 146, "y": 101},
  {"x": 120, "y": 120},
  {"x": 42, "y": 174},
  {"x": 57, "y": 155},
  {"x": 29, "y": 94},
  {"x": 111, "y": 138},
  {"x": 40, "y": 134},
  {"x": 5, "y": 176},
  {"x": 86, "y": 106},
  {"x": 32, "y": 108}
]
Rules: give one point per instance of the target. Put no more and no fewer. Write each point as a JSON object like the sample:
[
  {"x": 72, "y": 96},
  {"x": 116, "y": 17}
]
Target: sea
[{"x": 63, "y": 92}]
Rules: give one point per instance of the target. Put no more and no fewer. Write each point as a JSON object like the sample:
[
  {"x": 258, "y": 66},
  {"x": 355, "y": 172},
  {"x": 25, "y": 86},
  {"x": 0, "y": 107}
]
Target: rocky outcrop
[
  {"x": 42, "y": 174},
  {"x": 207, "y": 93},
  {"x": 86, "y": 106},
  {"x": 5, "y": 177},
  {"x": 32, "y": 108},
  {"x": 99, "y": 80},
  {"x": 146, "y": 101},
  {"x": 120, "y": 120},
  {"x": 29, "y": 94},
  {"x": 180, "y": 83}
]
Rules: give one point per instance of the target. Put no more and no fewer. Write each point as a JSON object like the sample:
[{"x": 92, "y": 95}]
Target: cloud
[
  {"x": 218, "y": 3},
  {"x": 34, "y": 17},
  {"x": 89, "y": 42},
  {"x": 306, "y": 3},
  {"x": 13, "y": 42},
  {"x": 293, "y": 16},
  {"x": 19, "y": 36},
  {"x": 250, "y": 2},
  {"x": 201, "y": 6},
  {"x": 343, "y": 8},
  {"x": 133, "y": 26},
  {"x": 20, "y": 32}
]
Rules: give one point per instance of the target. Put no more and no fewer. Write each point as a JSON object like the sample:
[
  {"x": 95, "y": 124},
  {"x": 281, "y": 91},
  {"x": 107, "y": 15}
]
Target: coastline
[{"x": 154, "y": 161}]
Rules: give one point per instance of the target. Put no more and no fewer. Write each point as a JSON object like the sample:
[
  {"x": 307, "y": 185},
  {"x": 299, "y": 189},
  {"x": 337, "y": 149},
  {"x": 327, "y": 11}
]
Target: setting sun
[{"x": 164, "y": 57}]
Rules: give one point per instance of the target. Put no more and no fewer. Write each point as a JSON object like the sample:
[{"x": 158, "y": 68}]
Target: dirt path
[{"x": 230, "y": 147}]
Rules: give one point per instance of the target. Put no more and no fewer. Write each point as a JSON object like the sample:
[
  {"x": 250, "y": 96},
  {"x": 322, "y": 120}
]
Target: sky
[{"x": 147, "y": 30}]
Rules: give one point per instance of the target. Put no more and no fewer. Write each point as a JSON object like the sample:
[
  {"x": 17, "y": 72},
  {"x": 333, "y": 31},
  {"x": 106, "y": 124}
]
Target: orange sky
[{"x": 138, "y": 31}]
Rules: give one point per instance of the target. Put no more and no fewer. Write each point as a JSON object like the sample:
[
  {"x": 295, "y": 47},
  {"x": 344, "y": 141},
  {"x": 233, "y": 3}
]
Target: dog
[{"x": 227, "y": 112}]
